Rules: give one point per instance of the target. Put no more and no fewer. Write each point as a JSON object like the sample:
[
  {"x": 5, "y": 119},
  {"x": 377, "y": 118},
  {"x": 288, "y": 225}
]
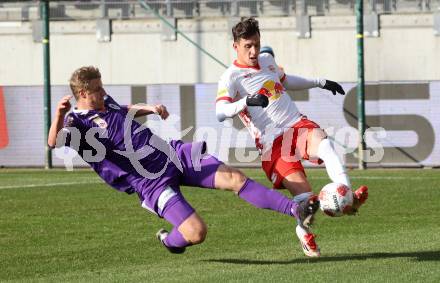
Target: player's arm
[
  {"x": 226, "y": 107},
  {"x": 141, "y": 108},
  {"x": 292, "y": 82},
  {"x": 58, "y": 122},
  {"x": 146, "y": 109}
]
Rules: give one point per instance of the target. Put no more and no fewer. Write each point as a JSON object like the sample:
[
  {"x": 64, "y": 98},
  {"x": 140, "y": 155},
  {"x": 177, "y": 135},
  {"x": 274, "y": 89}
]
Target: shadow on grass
[{"x": 419, "y": 256}]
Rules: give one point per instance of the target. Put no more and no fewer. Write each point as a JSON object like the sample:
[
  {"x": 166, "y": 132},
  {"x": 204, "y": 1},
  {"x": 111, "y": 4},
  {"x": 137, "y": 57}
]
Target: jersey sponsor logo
[
  {"x": 100, "y": 122},
  {"x": 271, "y": 89},
  {"x": 4, "y": 137}
]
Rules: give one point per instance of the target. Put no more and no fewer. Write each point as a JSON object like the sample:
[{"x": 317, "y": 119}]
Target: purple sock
[
  {"x": 262, "y": 197},
  {"x": 175, "y": 239},
  {"x": 176, "y": 211}
]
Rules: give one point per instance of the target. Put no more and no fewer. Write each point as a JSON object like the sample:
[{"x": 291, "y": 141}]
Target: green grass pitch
[{"x": 63, "y": 226}]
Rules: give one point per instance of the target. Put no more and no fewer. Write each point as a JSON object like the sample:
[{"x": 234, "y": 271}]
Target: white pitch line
[
  {"x": 50, "y": 185},
  {"x": 255, "y": 178}
]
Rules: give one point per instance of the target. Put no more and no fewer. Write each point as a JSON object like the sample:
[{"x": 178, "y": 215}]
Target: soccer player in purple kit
[{"x": 131, "y": 159}]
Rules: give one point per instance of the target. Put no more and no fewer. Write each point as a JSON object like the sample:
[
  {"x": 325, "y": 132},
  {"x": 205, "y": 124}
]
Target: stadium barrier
[
  {"x": 406, "y": 111},
  {"x": 98, "y": 9}
]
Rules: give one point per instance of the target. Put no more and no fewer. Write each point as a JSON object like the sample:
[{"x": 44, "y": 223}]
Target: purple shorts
[{"x": 199, "y": 170}]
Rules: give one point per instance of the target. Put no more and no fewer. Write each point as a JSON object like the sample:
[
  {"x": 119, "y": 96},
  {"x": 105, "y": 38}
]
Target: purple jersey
[{"x": 101, "y": 143}]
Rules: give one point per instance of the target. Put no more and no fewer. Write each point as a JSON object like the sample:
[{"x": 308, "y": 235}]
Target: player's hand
[
  {"x": 161, "y": 110},
  {"x": 257, "y": 100},
  {"x": 334, "y": 87},
  {"x": 64, "y": 105}
]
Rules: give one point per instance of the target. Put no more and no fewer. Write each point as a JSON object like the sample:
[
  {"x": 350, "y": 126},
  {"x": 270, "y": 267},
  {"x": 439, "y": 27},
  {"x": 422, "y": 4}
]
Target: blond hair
[{"x": 80, "y": 79}]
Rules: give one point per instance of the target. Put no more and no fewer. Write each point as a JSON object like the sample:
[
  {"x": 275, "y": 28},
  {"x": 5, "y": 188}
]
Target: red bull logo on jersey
[
  {"x": 272, "y": 90},
  {"x": 4, "y": 138}
]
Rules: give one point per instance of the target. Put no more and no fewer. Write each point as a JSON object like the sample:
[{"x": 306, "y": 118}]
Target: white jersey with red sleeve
[{"x": 264, "y": 124}]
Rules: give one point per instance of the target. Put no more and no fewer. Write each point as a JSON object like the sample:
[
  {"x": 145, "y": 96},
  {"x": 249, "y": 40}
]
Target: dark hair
[{"x": 246, "y": 28}]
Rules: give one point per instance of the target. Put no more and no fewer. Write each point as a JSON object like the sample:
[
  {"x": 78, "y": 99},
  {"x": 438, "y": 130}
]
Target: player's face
[
  {"x": 95, "y": 94},
  {"x": 248, "y": 50}
]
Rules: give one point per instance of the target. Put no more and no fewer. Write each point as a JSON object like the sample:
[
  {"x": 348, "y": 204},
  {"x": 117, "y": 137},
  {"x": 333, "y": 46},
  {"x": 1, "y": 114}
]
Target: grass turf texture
[{"x": 68, "y": 226}]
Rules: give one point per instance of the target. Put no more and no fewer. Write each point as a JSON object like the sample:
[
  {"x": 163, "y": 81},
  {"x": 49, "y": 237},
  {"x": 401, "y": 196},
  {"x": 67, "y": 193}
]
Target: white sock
[{"x": 335, "y": 169}]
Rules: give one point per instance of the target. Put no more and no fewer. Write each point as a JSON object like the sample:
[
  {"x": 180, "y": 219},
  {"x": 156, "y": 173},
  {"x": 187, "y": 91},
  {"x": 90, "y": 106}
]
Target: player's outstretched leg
[
  {"x": 322, "y": 147},
  {"x": 333, "y": 165},
  {"x": 302, "y": 207},
  {"x": 228, "y": 178},
  {"x": 307, "y": 209},
  {"x": 262, "y": 197},
  {"x": 296, "y": 182}
]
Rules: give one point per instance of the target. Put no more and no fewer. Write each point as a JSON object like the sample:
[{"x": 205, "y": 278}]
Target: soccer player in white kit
[{"x": 254, "y": 88}]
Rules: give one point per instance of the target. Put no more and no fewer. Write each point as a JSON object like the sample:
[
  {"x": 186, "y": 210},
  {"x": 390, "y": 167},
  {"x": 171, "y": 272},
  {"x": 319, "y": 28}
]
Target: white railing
[{"x": 95, "y": 9}]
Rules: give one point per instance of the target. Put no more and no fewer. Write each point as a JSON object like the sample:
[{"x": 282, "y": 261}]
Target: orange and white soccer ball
[{"x": 335, "y": 199}]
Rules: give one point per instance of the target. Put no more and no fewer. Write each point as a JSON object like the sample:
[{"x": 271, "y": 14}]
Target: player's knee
[
  {"x": 229, "y": 178},
  {"x": 314, "y": 140},
  {"x": 236, "y": 179},
  {"x": 197, "y": 233}
]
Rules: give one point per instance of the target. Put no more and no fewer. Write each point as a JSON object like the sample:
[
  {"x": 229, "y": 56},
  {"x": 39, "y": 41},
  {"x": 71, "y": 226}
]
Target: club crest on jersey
[
  {"x": 114, "y": 106},
  {"x": 100, "y": 122}
]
